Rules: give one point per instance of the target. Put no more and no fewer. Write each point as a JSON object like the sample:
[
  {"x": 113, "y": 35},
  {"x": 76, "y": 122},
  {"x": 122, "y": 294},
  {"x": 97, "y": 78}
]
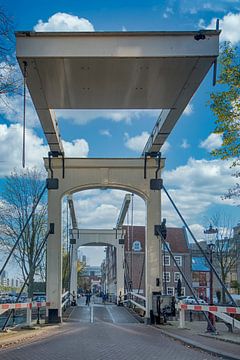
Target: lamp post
[{"x": 211, "y": 235}]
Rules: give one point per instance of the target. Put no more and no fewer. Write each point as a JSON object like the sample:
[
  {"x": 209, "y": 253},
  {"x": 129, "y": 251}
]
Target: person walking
[{"x": 88, "y": 297}]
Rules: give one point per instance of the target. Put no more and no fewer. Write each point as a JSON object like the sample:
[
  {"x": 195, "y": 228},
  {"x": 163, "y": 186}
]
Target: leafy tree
[
  {"x": 20, "y": 194},
  {"x": 225, "y": 104},
  {"x": 66, "y": 270}
]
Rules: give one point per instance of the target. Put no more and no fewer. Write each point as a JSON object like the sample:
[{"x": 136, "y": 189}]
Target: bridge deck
[{"x": 114, "y": 334}]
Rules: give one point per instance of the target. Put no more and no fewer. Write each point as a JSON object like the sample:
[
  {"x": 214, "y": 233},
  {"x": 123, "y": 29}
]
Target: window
[
  {"x": 178, "y": 259},
  {"x": 177, "y": 276},
  {"x": 166, "y": 277},
  {"x": 166, "y": 260},
  {"x": 170, "y": 291}
]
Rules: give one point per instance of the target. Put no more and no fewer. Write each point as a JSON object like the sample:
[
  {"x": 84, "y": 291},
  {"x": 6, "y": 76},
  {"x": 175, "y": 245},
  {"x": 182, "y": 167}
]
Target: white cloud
[
  {"x": 213, "y": 141},
  {"x": 195, "y": 187},
  {"x": 11, "y": 148},
  {"x": 229, "y": 24},
  {"x": 136, "y": 143},
  {"x": 185, "y": 144},
  {"x": 166, "y": 146},
  {"x": 101, "y": 208},
  {"x": 168, "y": 11},
  {"x": 12, "y": 110},
  {"x": 188, "y": 110},
  {"x": 105, "y": 132},
  {"x": 76, "y": 148},
  {"x": 64, "y": 22},
  {"x": 82, "y": 117}
]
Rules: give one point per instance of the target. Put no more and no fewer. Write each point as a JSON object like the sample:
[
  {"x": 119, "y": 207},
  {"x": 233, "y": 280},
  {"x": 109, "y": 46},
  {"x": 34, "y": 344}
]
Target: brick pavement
[{"x": 103, "y": 340}]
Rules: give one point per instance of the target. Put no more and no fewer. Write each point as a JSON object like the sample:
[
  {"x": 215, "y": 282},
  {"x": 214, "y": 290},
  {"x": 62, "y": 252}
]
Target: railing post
[
  {"x": 181, "y": 318},
  {"x": 38, "y": 315},
  {"x": 29, "y": 312}
]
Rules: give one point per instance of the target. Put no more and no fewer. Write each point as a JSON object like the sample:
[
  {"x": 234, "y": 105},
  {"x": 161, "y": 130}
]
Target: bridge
[{"x": 127, "y": 70}]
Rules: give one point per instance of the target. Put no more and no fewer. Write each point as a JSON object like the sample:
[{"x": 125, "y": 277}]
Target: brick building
[{"x": 134, "y": 264}]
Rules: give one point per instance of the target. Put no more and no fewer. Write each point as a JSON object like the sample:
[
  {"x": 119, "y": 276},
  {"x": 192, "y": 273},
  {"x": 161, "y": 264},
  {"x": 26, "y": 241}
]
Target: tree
[
  {"x": 9, "y": 77},
  {"x": 227, "y": 248},
  {"x": 66, "y": 270},
  {"x": 19, "y": 196},
  {"x": 225, "y": 105}
]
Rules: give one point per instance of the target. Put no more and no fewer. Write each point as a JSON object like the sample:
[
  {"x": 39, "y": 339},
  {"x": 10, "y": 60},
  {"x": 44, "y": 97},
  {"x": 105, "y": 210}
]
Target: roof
[
  {"x": 177, "y": 240},
  {"x": 199, "y": 264}
]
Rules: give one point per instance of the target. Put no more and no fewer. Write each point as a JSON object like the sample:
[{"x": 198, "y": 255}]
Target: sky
[{"x": 195, "y": 180}]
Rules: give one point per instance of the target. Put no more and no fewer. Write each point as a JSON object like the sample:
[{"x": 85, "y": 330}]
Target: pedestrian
[
  {"x": 74, "y": 301},
  {"x": 88, "y": 297}
]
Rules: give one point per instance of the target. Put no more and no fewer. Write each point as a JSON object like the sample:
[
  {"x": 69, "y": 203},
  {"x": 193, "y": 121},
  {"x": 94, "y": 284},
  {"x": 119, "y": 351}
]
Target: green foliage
[{"x": 225, "y": 105}]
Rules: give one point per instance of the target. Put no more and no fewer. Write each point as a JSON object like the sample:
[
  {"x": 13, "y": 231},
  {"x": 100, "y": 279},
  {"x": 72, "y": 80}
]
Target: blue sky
[{"x": 195, "y": 180}]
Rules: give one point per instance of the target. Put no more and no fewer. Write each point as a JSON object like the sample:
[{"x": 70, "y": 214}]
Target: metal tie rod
[
  {"x": 184, "y": 277},
  {"x": 200, "y": 248}
]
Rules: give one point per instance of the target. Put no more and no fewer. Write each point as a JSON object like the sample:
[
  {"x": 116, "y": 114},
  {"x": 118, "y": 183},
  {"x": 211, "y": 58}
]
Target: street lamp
[{"x": 211, "y": 235}]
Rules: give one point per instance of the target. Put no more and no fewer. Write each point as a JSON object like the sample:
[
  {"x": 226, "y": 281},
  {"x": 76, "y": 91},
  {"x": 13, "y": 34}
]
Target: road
[{"x": 113, "y": 334}]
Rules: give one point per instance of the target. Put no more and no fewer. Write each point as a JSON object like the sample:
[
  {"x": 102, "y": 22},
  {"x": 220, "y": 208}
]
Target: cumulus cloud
[
  {"x": 188, "y": 110},
  {"x": 12, "y": 110},
  {"x": 168, "y": 12},
  {"x": 102, "y": 207},
  {"x": 198, "y": 185},
  {"x": 105, "y": 132},
  {"x": 229, "y": 25},
  {"x": 136, "y": 143},
  {"x": 185, "y": 144},
  {"x": 82, "y": 117},
  {"x": 213, "y": 141},
  {"x": 11, "y": 148},
  {"x": 64, "y": 22}
]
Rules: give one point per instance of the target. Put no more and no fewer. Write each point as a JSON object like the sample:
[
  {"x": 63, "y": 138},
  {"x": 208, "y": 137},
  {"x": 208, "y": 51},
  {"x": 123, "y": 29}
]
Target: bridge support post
[
  {"x": 54, "y": 260},
  {"x": 73, "y": 279},
  {"x": 153, "y": 251},
  {"x": 120, "y": 271}
]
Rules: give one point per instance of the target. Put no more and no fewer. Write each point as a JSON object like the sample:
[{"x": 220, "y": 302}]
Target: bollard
[
  {"x": 181, "y": 318},
  {"x": 38, "y": 315},
  {"x": 91, "y": 314},
  {"x": 13, "y": 317}
]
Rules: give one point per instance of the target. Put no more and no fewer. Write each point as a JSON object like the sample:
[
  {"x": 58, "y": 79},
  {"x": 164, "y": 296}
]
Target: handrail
[
  {"x": 65, "y": 299},
  {"x": 137, "y": 295}
]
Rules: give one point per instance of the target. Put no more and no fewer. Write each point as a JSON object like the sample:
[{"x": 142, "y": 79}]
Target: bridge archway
[{"x": 84, "y": 174}]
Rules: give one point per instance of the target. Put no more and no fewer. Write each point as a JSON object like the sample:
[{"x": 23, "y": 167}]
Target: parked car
[{"x": 190, "y": 300}]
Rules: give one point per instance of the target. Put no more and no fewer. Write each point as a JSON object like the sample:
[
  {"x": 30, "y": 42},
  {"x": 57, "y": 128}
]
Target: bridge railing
[
  {"x": 136, "y": 300},
  {"x": 13, "y": 309},
  {"x": 66, "y": 301}
]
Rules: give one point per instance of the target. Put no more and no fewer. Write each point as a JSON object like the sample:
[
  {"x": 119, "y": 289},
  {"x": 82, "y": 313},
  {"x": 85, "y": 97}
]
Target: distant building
[{"x": 134, "y": 264}]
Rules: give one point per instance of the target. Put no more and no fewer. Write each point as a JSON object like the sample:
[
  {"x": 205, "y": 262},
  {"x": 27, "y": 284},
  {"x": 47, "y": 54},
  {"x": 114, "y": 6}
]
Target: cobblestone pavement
[{"x": 113, "y": 335}]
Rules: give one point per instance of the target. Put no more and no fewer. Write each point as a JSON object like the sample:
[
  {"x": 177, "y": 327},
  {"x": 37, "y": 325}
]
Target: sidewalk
[{"x": 224, "y": 344}]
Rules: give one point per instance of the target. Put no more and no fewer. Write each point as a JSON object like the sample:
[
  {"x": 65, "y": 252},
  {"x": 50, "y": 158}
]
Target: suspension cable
[
  {"x": 199, "y": 247},
  {"x": 23, "y": 229},
  {"x": 24, "y": 111}
]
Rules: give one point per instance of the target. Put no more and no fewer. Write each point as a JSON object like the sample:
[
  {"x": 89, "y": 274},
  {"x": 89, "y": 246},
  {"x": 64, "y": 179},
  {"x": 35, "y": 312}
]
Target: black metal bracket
[
  {"x": 51, "y": 228},
  {"x": 55, "y": 154},
  {"x": 52, "y": 184},
  {"x": 152, "y": 154}
]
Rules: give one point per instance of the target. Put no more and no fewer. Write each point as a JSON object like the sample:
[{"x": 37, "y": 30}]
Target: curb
[{"x": 197, "y": 345}]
